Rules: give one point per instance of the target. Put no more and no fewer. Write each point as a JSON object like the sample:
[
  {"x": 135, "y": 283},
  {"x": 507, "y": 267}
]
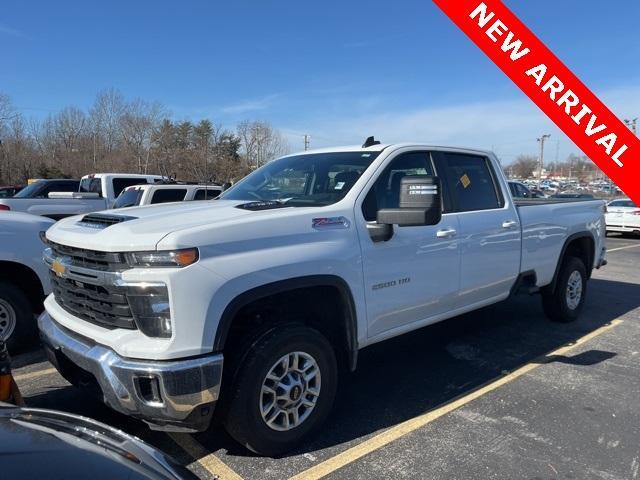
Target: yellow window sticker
[{"x": 465, "y": 180}]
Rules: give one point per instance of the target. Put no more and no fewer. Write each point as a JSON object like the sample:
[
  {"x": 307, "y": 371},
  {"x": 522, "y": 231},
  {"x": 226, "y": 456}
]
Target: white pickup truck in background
[
  {"x": 24, "y": 278},
  {"x": 96, "y": 192},
  {"x": 291, "y": 272},
  {"x": 153, "y": 194}
]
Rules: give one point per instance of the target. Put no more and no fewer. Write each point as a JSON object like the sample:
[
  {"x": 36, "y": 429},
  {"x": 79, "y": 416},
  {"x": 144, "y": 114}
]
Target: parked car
[
  {"x": 521, "y": 191},
  {"x": 42, "y": 444},
  {"x": 10, "y": 190},
  {"x": 56, "y": 199},
  {"x": 570, "y": 195},
  {"x": 140, "y": 195},
  {"x": 24, "y": 278},
  {"x": 282, "y": 280},
  {"x": 623, "y": 215}
]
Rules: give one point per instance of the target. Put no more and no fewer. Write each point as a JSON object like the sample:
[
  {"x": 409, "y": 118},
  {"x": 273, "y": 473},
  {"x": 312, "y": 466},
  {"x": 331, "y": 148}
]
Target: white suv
[{"x": 139, "y": 195}]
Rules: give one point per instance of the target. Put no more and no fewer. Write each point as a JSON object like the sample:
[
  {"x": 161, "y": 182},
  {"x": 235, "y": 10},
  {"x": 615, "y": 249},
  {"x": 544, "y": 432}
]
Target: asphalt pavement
[{"x": 498, "y": 393}]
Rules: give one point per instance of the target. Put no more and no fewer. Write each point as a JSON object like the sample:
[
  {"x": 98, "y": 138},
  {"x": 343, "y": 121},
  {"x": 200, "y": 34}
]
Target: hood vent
[
  {"x": 100, "y": 221},
  {"x": 257, "y": 206}
]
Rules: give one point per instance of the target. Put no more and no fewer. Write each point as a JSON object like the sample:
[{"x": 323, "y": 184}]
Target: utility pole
[
  {"x": 541, "y": 140},
  {"x": 633, "y": 125},
  {"x": 307, "y": 138}
]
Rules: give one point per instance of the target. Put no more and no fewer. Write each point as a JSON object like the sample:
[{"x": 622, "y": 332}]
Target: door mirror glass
[{"x": 420, "y": 203}]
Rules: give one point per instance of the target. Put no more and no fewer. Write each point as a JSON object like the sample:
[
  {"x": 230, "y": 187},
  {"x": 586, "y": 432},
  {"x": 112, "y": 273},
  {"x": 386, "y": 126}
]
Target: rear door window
[
  {"x": 206, "y": 194},
  {"x": 472, "y": 182},
  {"x": 166, "y": 195}
]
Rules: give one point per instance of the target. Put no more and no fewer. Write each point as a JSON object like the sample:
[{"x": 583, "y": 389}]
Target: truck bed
[{"x": 546, "y": 225}]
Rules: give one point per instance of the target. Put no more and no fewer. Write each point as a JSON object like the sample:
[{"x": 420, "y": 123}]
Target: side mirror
[{"x": 420, "y": 203}]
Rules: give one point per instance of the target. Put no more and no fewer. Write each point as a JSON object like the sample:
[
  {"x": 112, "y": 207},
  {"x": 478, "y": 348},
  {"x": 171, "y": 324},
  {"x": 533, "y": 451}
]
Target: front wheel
[
  {"x": 284, "y": 389},
  {"x": 17, "y": 325},
  {"x": 565, "y": 303}
]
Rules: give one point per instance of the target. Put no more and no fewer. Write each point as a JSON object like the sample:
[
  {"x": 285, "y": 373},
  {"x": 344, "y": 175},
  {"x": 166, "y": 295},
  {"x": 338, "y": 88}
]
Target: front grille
[
  {"x": 107, "y": 307},
  {"x": 93, "y": 259}
]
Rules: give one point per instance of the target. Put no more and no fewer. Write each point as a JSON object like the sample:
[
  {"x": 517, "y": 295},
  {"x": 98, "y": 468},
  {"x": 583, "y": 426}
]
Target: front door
[{"x": 414, "y": 276}]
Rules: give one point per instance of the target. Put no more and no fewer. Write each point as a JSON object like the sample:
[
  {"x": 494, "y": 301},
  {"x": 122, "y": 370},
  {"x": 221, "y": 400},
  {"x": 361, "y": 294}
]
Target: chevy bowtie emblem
[{"x": 58, "y": 267}]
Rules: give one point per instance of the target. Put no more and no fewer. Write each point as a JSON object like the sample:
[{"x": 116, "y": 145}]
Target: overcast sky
[{"x": 339, "y": 71}]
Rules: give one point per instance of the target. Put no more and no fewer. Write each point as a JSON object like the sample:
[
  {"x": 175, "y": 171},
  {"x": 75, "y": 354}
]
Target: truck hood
[{"x": 141, "y": 228}]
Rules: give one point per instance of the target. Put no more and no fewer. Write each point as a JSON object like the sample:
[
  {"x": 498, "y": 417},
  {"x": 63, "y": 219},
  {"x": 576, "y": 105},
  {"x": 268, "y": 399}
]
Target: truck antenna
[{"x": 370, "y": 141}]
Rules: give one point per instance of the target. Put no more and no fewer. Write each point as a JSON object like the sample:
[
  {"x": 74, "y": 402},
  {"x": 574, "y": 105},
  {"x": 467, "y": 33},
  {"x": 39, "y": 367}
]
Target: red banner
[{"x": 552, "y": 87}]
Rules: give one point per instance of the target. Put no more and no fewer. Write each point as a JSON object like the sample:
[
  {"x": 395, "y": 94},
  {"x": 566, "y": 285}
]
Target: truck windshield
[
  {"x": 316, "y": 179},
  {"x": 128, "y": 198}
]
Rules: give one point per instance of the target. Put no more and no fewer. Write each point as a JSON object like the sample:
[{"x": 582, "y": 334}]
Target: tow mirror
[{"x": 420, "y": 203}]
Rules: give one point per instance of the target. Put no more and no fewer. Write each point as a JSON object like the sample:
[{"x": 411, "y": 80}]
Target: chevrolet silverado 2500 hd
[{"x": 289, "y": 273}]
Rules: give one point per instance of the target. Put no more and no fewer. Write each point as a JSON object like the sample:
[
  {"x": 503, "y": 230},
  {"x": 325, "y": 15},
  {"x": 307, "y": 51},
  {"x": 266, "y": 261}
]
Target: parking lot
[{"x": 498, "y": 393}]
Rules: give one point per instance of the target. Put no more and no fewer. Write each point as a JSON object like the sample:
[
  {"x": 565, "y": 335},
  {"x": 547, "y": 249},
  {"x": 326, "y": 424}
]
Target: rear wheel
[
  {"x": 283, "y": 390},
  {"x": 17, "y": 325},
  {"x": 565, "y": 303}
]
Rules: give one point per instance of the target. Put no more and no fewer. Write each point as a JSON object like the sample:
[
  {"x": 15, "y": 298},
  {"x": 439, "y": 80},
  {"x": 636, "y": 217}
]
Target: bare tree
[
  {"x": 261, "y": 142},
  {"x": 139, "y": 125},
  {"x": 105, "y": 117},
  {"x": 524, "y": 166}
]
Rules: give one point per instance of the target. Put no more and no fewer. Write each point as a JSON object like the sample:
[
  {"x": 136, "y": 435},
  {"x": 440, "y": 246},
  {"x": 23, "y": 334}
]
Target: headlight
[
  {"x": 43, "y": 237},
  {"x": 167, "y": 258}
]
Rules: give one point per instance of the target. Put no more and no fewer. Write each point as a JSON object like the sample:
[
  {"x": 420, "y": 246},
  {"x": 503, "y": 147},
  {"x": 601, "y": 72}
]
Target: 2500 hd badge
[{"x": 392, "y": 283}]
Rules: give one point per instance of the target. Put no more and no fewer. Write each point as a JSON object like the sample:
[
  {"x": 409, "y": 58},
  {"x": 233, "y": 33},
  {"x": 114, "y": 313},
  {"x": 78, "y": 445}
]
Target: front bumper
[{"x": 169, "y": 395}]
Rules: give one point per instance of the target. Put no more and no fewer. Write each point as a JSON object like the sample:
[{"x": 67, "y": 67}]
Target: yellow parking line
[
  {"x": 30, "y": 375},
  {"x": 352, "y": 454},
  {"x": 623, "y": 248},
  {"x": 202, "y": 457}
]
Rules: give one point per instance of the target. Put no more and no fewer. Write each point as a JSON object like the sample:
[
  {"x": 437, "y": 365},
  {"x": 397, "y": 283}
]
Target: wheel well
[
  {"x": 584, "y": 249},
  {"x": 579, "y": 246},
  {"x": 26, "y": 279},
  {"x": 326, "y": 308}
]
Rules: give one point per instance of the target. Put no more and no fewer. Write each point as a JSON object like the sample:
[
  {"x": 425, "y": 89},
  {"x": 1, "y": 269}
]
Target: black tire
[
  {"x": 243, "y": 419},
  {"x": 556, "y": 304},
  {"x": 15, "y": 308}
]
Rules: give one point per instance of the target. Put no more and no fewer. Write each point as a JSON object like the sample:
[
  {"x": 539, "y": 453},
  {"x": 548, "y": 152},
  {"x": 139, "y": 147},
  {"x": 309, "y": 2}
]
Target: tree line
[
  {"x": 578, "y": 167},
  {"x": 130, "y": 136}
]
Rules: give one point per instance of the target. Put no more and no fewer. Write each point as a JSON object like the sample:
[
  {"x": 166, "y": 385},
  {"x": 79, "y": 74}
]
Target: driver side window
[{"x": 385, "y": 193}]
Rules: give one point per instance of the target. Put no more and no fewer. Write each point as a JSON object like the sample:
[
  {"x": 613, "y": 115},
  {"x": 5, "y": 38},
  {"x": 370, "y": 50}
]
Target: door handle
[
  {"x": 446, "y": 233},
  {"x": 509, "y": 224}
]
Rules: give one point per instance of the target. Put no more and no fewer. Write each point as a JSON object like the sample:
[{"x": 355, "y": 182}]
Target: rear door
[{"x": 489, "y": 228}]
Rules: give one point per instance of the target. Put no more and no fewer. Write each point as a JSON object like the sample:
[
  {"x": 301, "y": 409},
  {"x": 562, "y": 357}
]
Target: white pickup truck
[
  {"x": 97, "y": 192},
  {"x": 24, "y": 278},
  {"x": 291, "y": 272}
]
